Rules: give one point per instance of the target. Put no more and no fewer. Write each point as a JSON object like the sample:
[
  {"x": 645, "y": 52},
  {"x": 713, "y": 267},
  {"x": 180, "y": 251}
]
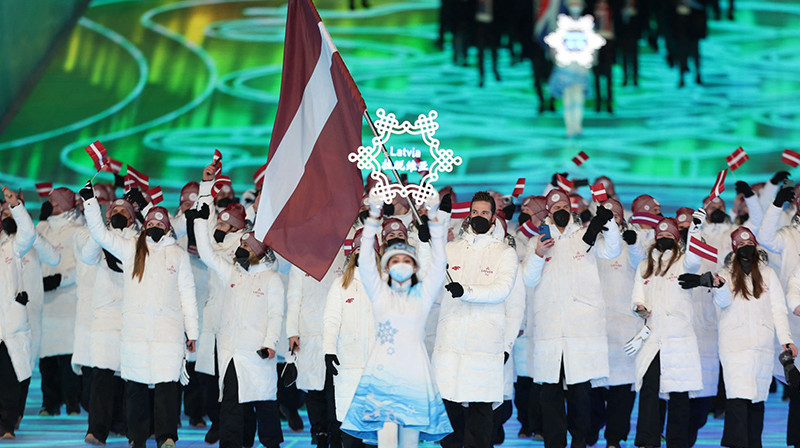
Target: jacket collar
[{"x": 479, "y": 240}]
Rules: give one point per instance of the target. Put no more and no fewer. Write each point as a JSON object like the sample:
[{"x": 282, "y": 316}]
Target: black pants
[
  {"x": 522, "y": 401},
  {"x": 210, "y": 385},
  {"x": 322, "y": 417},
  {"x": 472, "y": 425},
  {"x": 160, "y": 414},
  {"x": 744, "y": 422},
  {"x": 239, "y": 420},
  {"x": 86, "y": 387},
  {"x": 486, "y": 37},
  {"x": 10, "y": 392},
  {"x": 648, "y": 427},
  {"x": 192, "y": 395},
  {"x": 23, "y": 397},
  {"x": 535, "y": 408},
  {"x": 699, "y": 408},
  {"x": 793, "y": 420},
  {"x": 577, "y": 416},
  {"x": 612, "y": 407},
  {"x": 290, "y": 397},
  {"x": 60, "y": 385},
  {"x": 105, "y": 403},
  {"x": 500, "y": 416}
]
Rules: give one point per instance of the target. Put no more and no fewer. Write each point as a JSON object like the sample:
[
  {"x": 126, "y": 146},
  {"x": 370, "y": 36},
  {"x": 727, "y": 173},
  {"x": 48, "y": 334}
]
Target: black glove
[
  {"x": 423, "y": 231},
  {"x": 455, "y": 289},
  {"x": 22, "y": 298},
  {"x": 743, "y": 188},
  {"x": 580, "y": 183},
  {"x": 446, "y": 204},
  {"x": 47, "y": 210},
  {"x": 779, "y": 177},
  {"x": 784, "y": 195},
  {"x": 508, "y": 210},
  {"x": 689, "y": 281},
  {"x": 629, "y": 236},
  {"x": 789, "y": 369},
  {"x": 505, "y": 357},
  {"x": 596, "y": 225},
  {"x": 554, "y": 179},
  {"x": 190, "y": 216},
  {"x": 205, "y": 212},
  {"x": 605, "y": 214},
  {"x": 112, "y": 262},
  {"x": 135, "y": 196},
  {"x": 330, "y": 362},
  {"x": 119, "y": 181},
  {"x": 388, "y": 209},
  {"x": 51, "y": 282},
  {"x": 87, "y": 192}
]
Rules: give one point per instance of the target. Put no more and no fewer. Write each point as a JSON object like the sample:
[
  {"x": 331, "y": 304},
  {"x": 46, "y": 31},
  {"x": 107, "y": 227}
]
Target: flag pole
[{"x": 397, "y": 177}]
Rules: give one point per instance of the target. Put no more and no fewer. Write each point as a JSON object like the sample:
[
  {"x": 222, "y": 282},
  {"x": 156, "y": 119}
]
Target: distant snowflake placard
[
  {"x": 575, "y": 40},
  {"x": 370, "y": 157}
]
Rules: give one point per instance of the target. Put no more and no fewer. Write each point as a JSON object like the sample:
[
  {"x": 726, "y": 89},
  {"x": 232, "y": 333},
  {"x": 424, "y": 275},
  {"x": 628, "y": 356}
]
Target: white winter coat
[
  {"x": 348, "y": 333},
  {"x": 159, "y": 312},
  {"x": 305, "y": 301},
  {"x": 59, "y": 310},
  {"x": 672, "y": 329},
  {"x": 85, "y": 278},
  {"x": 747, "y": 332},
  {"x": 567, "y": 315},
  {"x": 251, "y": 315},
  {"x": 785, "y": 241},
  {"x": 470, "y": 337},
  {"x": 42, "y": 252},
  {"x": 15, "y": 331}
]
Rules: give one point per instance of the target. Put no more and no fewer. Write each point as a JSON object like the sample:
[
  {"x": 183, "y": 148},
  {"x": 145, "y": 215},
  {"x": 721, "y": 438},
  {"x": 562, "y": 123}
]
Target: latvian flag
[
  {"x": 258, "y": 177},
  {"x": 563, "y": 183},
  {"x": 737, "y": 158},
  {"x": 139, "y": 179},
  {"x": 646, "y": 219},
  {"x": 156, "y": 195},
  {"x": 44, "y": 189},
  {"x": 519, "y": 188},
  {"x": 702, "y": 250},
  {"x": 114, "y": 165},
  {"x": 790, "y": 158},
  {"x": 719, "y": 185},
  {"x": 98, "y": 154},
  {"x": 348, "y": 246},
  {"x": 460, "y": 210},
  {"x": 528, "y": 229},
  {"x": 217, "y": 160},
  {"x": 580, "y": 158},
  {"x": 313, "y": 196},
  {"x": 599, "y": 192},
  {"x": 219, "y": 184}
]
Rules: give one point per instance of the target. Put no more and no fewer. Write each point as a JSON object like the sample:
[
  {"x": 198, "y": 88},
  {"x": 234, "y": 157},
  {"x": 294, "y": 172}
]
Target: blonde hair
[
  {"x": 651, "y": 269},
  {"x": 141, "y": 254}
]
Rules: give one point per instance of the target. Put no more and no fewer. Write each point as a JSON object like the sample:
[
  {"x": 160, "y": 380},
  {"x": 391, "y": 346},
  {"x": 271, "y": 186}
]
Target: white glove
[
  {"x": 432, "y": 204},
  {"x": 184, "y": 371},
  {"x": 699, "y": 214},
  {"x": 375, "y": 204},
  {"x": 635, "y": 344}
]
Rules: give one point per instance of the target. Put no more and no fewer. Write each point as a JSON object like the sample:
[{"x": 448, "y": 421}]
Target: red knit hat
[
  {"x": 717, "y": 200},
  {"x": 63, "y": 197},
  {"x": 644, "y": 203},
  {"x": 741, "y": 236},
  {"x": 357, "y": 241},
  {"x": 126, "y": 205},
  {"x": 104, "y": 193},
  {"x": 684, "y": 215},
  {"x": 668, "y": 225},
  {"x": 189, "y": 192},
  {"x": 234, "y": 215},
  {"x": 258, "y": 247},
  {"x": 608, "y": 184},
  {"x": 555, "y": 196},
  {"x": 158, "y": 214},
  {"x": 392, "y": 225},
  {"x": 537, "y": 205}
]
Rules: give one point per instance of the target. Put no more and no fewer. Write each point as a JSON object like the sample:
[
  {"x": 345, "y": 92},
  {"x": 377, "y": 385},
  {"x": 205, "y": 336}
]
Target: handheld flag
[
  {"x": 156, "y": 195},
  {"x": 519, "y": 187},
  {"x": 719, "y": 185},
  {"x": 564, "y": 183},
  {"x": 139, "y": 179},
  {"x": 580, "y": 158},
  {"x": 599, "y": 192},
  {"x": 790, "y": 158},
  {"x": 44, "y": 189},
  {"x": 460, "y": 210},
  {"x": 737, "y": 158},
  {"x": 98, "y": 154},
  {"x": 114, "y": 165}
]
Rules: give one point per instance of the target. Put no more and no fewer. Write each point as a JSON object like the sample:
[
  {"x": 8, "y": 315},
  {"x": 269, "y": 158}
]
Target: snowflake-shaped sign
[
  {"x": 368, "y": 157},
  {"x": 575, "y": 41},
  {"x": 386, "y": 332}
]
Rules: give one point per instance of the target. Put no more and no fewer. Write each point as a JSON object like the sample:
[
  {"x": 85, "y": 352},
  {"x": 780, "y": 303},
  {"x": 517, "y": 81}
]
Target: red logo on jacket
[
  {"x": 578, "y": 256},
  {"x": 487, "y": 271},
  {"x": 258, "y": 292},
  {"x": 548, "y": 259},
  {"x": 455, "y": 268},
  {"x": 350, "y": 300},
  {"x": 171, "y": 269}
]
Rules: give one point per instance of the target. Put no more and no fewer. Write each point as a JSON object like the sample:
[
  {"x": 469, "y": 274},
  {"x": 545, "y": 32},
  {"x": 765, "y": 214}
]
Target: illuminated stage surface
[
  {"x": 161, "y": 83},
  {"x": 69, "y": 431}
]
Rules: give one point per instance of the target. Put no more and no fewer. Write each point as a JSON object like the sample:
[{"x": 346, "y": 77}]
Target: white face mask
[{"x": 401, "y": 272}]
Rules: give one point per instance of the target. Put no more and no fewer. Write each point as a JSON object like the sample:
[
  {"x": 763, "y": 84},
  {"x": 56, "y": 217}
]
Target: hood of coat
[
  {"x": 57, "y": 222},
  {"x": 127, "y": 232},
  {"x": 479, "y": 240},
  {"x": 254, "y": 268},
  {"x": 166, "y": 240},
  {"x": 573, "y": 226}
]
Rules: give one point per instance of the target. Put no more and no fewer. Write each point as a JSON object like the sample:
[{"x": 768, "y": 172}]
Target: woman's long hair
[
  {"x": 739, "y": 278},
  {"x": 350, "y": 269},
  {"x": 141, "y": 255},
  {"x": 659, "y": 270}
]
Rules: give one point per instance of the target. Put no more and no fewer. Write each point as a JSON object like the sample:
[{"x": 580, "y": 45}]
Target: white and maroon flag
[
  {"x": 258, "y": 177},
  {"x": 156, "y": 195},
  {"x": 599, "y": 192},
  {"x": 519, "y": 187},
  {"x": 217, "y": 160},
  {"x": 737, "y": 158},
  {"x": 790, "y": 158},
  {"x": 528, "y": 229},
  {"x": 139, "y": 179},
  {"x": 114, "y": 165},
  {"x": 98, "y": 154},
  {"x": 312, "y": 192},
  {"x": 44, "y": 189},
  {"x": 348, "y": 246},
  {"x": 564, "y": 183},
  {"x": 580, "y": 158},
  {"x": 702, "y": 250},
  {"x": 460, "y": 210},
  {"x": 719, "y": 185}
]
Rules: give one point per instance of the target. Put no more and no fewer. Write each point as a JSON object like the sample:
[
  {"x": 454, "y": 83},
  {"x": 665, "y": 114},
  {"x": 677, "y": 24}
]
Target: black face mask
[
  {"x": 363, "y": 215},
  {"x": 155, "y": 233},
  {"x": 47, "y": 210},
  {"x": 743, "y": 218},
  {"x": 394, "y": 241},
  {"x": 219, "y": 235},
  {"x": 746, "y": 256},
  {"x": 665, "y": 244},
  {"x": 118, "y": 221},
  {"x": 685, "y": 234},
  {"x": 479, "y": 224},
  {"x": 242, "y": 257},
  {"x": 523, "y": 218},
  {"x": 585, "y": 216},
  {"x": 717, "y": 216},
  {"x": 561, "y": 218},
  {"x": 224, "y": 202},
  {"x": 9, "y": 226}
]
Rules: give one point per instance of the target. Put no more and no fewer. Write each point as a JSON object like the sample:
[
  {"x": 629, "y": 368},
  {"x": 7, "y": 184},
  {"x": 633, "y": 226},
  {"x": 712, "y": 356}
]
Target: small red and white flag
[
  {"x": 580, "y": 158},
  {"x": 44, "y": 189},
  {"x": 220, "y": 183},
  {"x": 258, "y": 177},
  {"x": 139, "y": 179},
  {"x": 519, "y": 187},
  {"x": 217, "y": 160},
  {"x": 719, "y": 185},
  {"x": 563, "y": 183},
  {"x": 114, "y": 165},
  {"x": 98, "y": 154},
  {"x": 646, "y": 219},
  {"x": 460, "y": 210},
  {"x": 702, "y": 250},
  {"x": 156, "y": 195},
  {"x": 348, "y": 246},
  {"x": 790, "y": 158},
  {"x": 528, "y": 229},
  {"x": 574, "y": 203},
  {"x": 737, "y": 158},
  {"x": 599, "y": 192}
]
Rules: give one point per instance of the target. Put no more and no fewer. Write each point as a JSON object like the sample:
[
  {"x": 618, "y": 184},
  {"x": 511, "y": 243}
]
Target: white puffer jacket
[
  {"x": 348, "y": 333},
  {"x": 15, "y": 331},
  {"x": 785, "y": 241},
  {"x": 86, "y": 275},
  {"x": 747, "y": 332},
  {"x": 60, "y": 304},
  {"x": 42, "y": 252},
  {"x": 159, "y": 312},
  {"x": 470, "y": 336},
  {"x": 671, "y": 325},
  {"x": 567, "y": 315},
  {"x": 251, "y": 315}
]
